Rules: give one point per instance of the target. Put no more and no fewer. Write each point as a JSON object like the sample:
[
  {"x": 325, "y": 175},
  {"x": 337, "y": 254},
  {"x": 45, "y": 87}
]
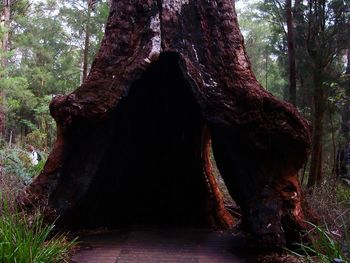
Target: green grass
[
  {"x": 343, "y": 194},
  {"x": 26, "y": 239},
  {"x": 325, "y": 247},
  {"x": 331, "y": 203}
]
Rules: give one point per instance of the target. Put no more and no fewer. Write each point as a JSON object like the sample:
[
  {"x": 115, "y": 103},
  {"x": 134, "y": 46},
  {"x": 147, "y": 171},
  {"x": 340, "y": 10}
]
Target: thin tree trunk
[
  {"x": 315, "y": 175},
  {"x": 341, "y": 164},
  {"x": 334, "y": 148},
  {"x": 2, "y": 115},
  {"x": 10, "y": 140},
  {"x": 5, "y": 22},
  {"x": 304, "y": 99},
  {"x": 86, "y": 42},
  {"x": 302, "y": 180},
  {"x": 291, "y": 54}
]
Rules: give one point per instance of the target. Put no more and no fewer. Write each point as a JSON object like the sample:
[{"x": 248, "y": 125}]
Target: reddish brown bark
[
  {"x": 165, "y": 69},
  {"x": 216, "y": 202}
]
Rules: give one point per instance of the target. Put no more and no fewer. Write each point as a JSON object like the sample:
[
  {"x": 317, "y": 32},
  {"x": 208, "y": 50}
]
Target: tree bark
[
  {"x": 303, "y": 63},
  {"x": 5, "y": 23},
  {"x": 319, "y": 107},
  {"x": 215, "y": 197},
  {"x": 342, "y": 160},
  {"x": 291, "y": 54},
  {"x": 87, "y": 42},
  {"x": 164, "y": 70},
  {"x": 319, "y": 61}
]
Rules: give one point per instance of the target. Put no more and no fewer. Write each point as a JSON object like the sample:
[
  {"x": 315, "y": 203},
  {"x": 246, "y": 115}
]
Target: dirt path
[{"x": 153, "y": 246}]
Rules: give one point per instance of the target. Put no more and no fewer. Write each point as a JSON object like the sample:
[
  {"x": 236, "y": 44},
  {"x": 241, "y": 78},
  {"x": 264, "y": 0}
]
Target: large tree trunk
[{"x": 132, "y": 141}]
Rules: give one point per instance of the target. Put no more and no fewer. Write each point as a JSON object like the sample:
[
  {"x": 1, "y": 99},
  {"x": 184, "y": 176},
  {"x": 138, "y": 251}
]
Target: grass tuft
[{"x": 26, "y": 239}]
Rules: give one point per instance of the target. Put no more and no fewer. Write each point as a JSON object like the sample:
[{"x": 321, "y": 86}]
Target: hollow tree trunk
[{"x": 133, "y": 140}]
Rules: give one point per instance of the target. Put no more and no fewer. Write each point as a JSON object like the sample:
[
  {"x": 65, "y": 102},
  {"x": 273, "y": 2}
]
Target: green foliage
[
  {"x": 260, "y": 43},
  {"x": 26, "y": 239},
  {"x": 16, "y": 162},
  {"x": 75, "y": 15},
  {"x": 44, "y": 60},
  {"x": 343, "y": 194},
  {"x": 36, "y": 138},
  {"x": 36, "y": 169},
  {"x": 325, "y": 247},
  {"x": 321, "y": 42},
  {"x": 330, "y": 202}
]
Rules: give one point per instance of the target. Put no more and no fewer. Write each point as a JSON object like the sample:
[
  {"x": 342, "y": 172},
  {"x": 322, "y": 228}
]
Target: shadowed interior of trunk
[{"x": 151, "y": 170}]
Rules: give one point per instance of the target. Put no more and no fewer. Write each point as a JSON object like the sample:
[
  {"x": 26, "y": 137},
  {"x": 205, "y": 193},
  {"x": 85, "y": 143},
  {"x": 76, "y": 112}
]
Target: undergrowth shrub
[
  {"x": 36, "y": 138},
  {"x": 26, "y": 239},
  {"x": 10, "y": 187},
  {"x": 15, "y": 161},
  {"x": 330, "y": 239},
  {"x": 326, "y": 246},
  {"x": 343, "y": 195}
]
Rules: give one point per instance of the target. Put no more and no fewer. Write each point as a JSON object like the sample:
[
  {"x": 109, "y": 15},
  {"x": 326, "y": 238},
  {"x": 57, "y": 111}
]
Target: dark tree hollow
[{"x": 150, "y": 168}]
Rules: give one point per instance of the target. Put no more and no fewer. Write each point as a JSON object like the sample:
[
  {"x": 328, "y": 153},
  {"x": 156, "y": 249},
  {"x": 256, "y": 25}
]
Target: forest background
[{"x": 299, "y": 51}]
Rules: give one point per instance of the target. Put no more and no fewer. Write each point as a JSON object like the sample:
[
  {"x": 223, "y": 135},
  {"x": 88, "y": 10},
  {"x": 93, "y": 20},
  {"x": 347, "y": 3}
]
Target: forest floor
[
  {"x": 162, "y": 245},
  {"x": 147, "y": 245}
]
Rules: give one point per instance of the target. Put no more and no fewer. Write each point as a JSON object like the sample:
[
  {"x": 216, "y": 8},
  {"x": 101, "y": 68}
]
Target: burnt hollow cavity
[{"x": 148, "y": 157}]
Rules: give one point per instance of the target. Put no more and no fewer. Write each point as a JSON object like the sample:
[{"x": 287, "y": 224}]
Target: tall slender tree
[
  {"x": 5, "y": 23},
  {"x": 343, "y": 160},
  {"x": 327, "y": 33},
  {"x": 87, "y": 19},
  {"x": 321, "y": 34},
  {"x": 90, "y": 4},
  {"x": 4, "y": 26},
  {"x": 291, "y": 54}
]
